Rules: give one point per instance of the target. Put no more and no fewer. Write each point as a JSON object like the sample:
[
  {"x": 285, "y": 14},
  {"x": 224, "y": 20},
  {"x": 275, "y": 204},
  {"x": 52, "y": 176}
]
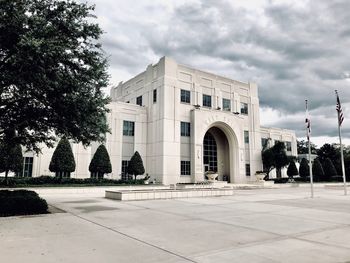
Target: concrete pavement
[{"x": 261, "y": 225}]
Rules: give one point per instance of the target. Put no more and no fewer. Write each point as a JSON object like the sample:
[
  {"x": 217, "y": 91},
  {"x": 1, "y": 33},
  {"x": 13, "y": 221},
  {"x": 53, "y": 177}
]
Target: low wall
[{"x": 166, "y": 194}]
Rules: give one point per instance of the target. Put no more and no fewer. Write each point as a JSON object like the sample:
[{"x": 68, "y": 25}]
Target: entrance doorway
[{"x": 216, "y": 153}]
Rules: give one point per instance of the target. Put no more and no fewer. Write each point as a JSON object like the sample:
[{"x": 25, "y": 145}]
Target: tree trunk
[{"x": 6, "y": 177}]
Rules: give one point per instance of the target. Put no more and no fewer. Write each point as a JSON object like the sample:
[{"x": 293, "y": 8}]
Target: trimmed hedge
[
  {"x": 56, "y": 181},
  {"x": 21, "y": 202}
]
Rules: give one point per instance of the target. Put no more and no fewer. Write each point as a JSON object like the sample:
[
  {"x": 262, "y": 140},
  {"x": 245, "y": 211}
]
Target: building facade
[{"x": 183, "y": 122}]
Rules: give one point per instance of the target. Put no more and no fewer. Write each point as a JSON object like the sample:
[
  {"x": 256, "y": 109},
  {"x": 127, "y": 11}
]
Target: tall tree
[
  {"x": 329, "y": 170},
  {"x": 317, "y": 170},
  {"x": 62, "y": 161},
  {"x": 281, "y": 158},
  {"x": 292, "y": 169},
  {"x": 100, "y": 163},
  {"x": 52, "y": 72},
  {"x": 303, "y": 147},
  {"x": 275, "y": 157},
  {"x": 332, "y": 152},
  {"x": 304, "y": 169},
  {"x": 136, "y": 165},
  {"x": 11, "y": 159}
]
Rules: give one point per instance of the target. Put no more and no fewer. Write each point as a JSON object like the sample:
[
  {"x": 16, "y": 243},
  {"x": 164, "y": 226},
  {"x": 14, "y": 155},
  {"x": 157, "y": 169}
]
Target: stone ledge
[{"x": 166, "y": 194}]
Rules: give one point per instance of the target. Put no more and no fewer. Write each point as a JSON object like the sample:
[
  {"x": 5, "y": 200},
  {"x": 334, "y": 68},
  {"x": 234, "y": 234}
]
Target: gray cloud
[{"x": 294, "y": 50}]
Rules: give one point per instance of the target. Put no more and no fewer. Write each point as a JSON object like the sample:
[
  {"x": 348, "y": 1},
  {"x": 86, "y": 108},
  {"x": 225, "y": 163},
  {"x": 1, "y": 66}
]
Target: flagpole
[
  {"x": 341, "y": 149},
  {"x": 309, "y": 144}
]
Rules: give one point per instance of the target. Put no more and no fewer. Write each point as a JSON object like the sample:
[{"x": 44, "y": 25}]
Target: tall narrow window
[
  {"x": 185, "y": 168},
  {"x": 246, "y": 136},
  {"x": 128, "y": 128},
  {"x": 226, "y": 104},
  {"x": 288, "y": 146},
  {"x": 185, "y": 129},
  {"x": 139, "y": 100},
  {"x": 244, "y": 108},
  {"x": 185, "y": 96},
  {"x": 154, "y": 95},
  {"x": 27, "y": 167},
  {"x": 206, "y": 101},
  {"x": 247, "y": 169},
  {"x": 125, "y": 175},
  {"x": 210, "y": 153}
]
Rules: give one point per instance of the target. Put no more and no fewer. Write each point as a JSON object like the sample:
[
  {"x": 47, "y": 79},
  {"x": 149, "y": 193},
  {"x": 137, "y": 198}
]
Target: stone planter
[
  {"x": 260, "y": 176},
  {"x": 212, "y": 177}
]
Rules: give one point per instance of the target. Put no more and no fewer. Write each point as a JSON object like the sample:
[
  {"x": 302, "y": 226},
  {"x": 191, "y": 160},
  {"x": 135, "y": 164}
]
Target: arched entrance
[{"x": 216, "y": 153}]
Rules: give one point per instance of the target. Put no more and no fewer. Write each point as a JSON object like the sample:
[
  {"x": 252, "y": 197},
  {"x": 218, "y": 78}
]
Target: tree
[
  {"x": 303, "y": 147},
  {"x": 292, "y": 169},
  {"x": 62, "y": 161},
  {"x": 52, "y": 71},
  {"x": 304, "y": 169},
  {"x": 11, "y": 159},
  {"x": 329, "y": 170},
  {"x": 317, "y": 170},
  {"x": 136, "y": 165},
  {"x": 100, "y": 163},
  {"x": 281, "y": 158},
  {"x": 332, "y": 152},
  {"x": 274, "y": 157}
]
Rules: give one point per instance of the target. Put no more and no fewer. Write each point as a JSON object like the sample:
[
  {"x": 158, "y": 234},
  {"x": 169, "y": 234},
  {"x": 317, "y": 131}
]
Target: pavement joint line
[
  {"x": 321, "y": 243},
  {"x": 134, "y": 238}
]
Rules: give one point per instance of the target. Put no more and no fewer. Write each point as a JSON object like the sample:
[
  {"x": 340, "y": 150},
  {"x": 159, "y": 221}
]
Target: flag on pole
[
  {"x": 307, "y": 122},
  {"x": 339, "y": 110}
]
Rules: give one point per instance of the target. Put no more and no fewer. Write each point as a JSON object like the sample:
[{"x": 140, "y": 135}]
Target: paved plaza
[{"x": 262, "y": 225}]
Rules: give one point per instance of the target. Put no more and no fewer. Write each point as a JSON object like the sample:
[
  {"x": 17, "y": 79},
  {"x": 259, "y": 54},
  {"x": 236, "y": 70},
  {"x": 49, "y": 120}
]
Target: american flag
[
  {"x": 308, "y": 122},
  {"x": 339, "y": 110}
]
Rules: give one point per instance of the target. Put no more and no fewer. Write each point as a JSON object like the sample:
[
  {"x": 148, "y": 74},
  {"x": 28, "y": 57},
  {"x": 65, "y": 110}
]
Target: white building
[{"x": 183, "y": 122}]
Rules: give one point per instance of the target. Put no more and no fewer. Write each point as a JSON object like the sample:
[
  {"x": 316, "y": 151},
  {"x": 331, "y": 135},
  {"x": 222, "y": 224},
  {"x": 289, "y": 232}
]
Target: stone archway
[
  {"x": 216, "y": 153},
  {"x": 227, "y": 151}
]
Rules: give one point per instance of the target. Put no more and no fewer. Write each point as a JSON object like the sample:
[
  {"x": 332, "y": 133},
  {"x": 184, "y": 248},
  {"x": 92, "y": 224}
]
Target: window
[
  {"x": 27, "y": 167},
  {"x": 185, "y": 129},
  {"x": 125, "y": 175},
  {"x": 206, "y": 101},
  {"x": 210, "y": 154},
  {"x": 288, "y": 146},
  {"x": 246, "y": 136},
  {"x": 185, "y": 168},
  {"x": 128, "y": 128},
  {"x": 244, "y": 108},
  {"x": 226, "y": 104},
  {"x": 247, "y": 169},
  {"x": 264, "y": 142},
  {"x": 154, "y": 96},
  {"x": 185, "y": 96},
  {"x": 139, "y": 100}
]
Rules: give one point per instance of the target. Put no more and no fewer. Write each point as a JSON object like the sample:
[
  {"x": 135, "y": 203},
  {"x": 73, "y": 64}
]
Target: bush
[
  {"x": 56, "y": 181},
  {"x": 329, "y": 170},
  {"x": 136, "y": 165},
  {"x": 21, "y": 202},
  {"x": 62, "y": 160},
  {"x": 292, "y": 169},
  {"x": 100, "y": 163},
  {"x": 317, "y": 171},
  {"x": 304, "y": 170}
]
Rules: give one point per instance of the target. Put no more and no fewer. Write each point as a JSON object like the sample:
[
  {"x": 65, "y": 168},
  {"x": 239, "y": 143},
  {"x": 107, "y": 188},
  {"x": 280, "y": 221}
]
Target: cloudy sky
[{"x": 293, "y": 50}]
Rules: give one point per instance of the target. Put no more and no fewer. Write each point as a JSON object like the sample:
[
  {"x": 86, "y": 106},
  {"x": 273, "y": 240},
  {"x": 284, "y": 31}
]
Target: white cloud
[{"x": 294, "y": 50}]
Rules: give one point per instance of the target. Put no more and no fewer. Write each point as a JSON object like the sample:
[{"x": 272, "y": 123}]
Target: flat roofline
[{"x": 273, "y": 128}]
